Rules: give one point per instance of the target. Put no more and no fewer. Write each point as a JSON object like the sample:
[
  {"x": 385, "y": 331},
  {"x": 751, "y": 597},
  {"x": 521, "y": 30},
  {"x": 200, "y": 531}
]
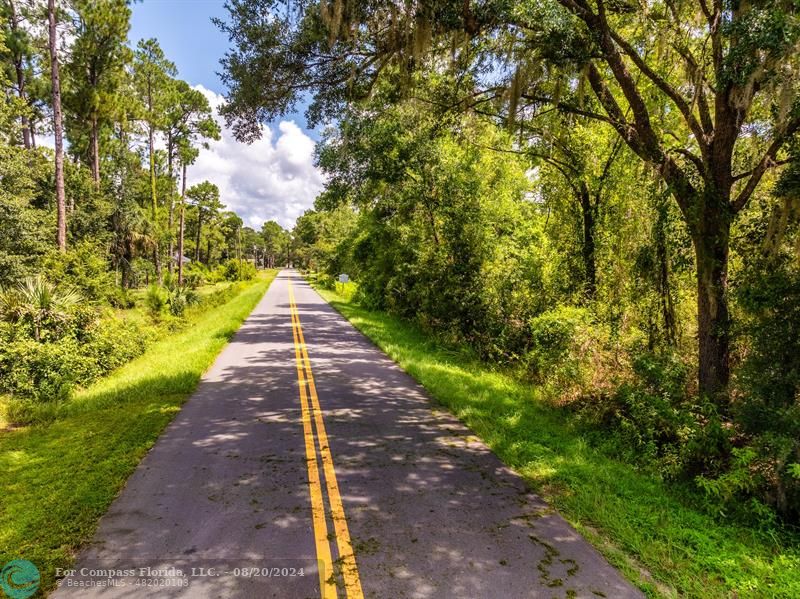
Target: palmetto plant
[{"x": 37, "y": 301}]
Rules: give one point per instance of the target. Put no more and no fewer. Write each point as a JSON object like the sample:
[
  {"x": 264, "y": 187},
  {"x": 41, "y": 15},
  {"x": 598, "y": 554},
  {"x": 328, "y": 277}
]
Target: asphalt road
[{"x": 306, "y": 465}]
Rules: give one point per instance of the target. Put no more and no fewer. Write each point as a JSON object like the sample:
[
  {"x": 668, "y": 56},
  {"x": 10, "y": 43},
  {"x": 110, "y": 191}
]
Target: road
[{"x": 308, "y": 465}]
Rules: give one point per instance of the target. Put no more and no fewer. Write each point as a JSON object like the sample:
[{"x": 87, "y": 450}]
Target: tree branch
[
  {"x": 564, "y": 107},
  {"x": 767, "y": 162},
  {"x": 693, "y": 158},
  {"x": 661, "y": 84}
]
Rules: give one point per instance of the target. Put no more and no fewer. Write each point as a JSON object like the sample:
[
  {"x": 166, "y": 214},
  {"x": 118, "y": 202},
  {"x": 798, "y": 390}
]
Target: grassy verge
[
  {"x": 656, "y": 534},
  {"x": 58, "y": 479}
]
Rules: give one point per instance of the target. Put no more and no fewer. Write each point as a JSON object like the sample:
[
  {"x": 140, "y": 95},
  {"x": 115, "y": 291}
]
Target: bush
[
  {"x": 236, "y": 270},
  {"x": 83, "y": 267},
  {"x": 180, "y": 298},
  {"x": 112, "y": 343},
  {"x": 194, "y": 275},
  {"x": 44, "y": 372},
  {"x": 156, "y": 300},
  {"x": 325, "y": 281},
  {"x": 558, "y": 352},
  {"x": 121, "y": 298},
  {"x": 766, "y": 407},
  {"x": 41, "y": 373}
]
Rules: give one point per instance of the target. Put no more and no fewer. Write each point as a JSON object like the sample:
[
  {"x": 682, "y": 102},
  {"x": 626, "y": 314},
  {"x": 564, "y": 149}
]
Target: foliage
[
  {"x": 82, "y": 267},
  {"x": 558, "y": 352},
  {"x": 767, "y": 405},
  {"x": 73, "y": 468},
  {"x": 237, "y": 270},
  {"x": 663, "y": 535},
  {"x": 39, "y": 307},
  {"x": 157, "y": 299}
]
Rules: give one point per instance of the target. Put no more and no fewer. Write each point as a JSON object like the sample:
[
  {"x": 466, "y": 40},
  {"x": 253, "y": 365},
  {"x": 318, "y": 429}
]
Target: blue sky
[
  {"x": 185, "y": 32},
  {"x": 272, "y": 179}
]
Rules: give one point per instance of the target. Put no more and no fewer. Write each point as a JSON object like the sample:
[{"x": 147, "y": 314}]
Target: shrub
[
  {"x": 44, "y": 372},
  {"x": 194, "y": 275},
  {"x": 180, "y": 298},
  {"x": 156, "y": 300},
  {"x": 177, "y": 303},
  {"x": 325, "y": 281},
  {"x": 40, "y": 373},
  {"x": 766, "y": 405},
  {"x": 654, "y": 420},
  {"x": 83, "y": 267},
  {"x": 559, "y": 347},
  {"x": 112, "y": 343},
  {"x": 121, "y": 298},
  {"x": 42, "y": 307},
  {"x": 237, "y": 270}
]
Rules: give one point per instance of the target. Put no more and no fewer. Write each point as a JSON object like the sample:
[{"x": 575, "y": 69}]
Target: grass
[
  {"x": 58, "y": 479},
  {"x": 660, "y": 536}
]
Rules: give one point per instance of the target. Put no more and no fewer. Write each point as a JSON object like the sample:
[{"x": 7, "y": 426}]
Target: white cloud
[
  {"x": 274, "y": 178},
  {"x": 48, "y": 141}
]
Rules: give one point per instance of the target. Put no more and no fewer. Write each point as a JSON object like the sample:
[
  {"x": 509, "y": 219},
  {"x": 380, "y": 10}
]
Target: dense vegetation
[
  {"x": 667, "y": 540},
  {"x": 103, "y": 245},
  {"x": 60, "y": 478},
  {"x": 601, "y": 197}
]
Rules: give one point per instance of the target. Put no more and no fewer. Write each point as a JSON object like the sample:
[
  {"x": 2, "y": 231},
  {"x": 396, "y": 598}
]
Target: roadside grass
[
  {"x": 59, "y": 478},
  {"x": 659, "y": 535}
]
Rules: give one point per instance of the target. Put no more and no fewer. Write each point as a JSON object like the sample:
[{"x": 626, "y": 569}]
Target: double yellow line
[{"x": 312, "y": 419}]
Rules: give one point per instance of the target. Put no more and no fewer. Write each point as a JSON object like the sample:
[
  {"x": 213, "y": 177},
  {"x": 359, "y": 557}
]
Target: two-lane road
[{"x": 307, "y": 464}]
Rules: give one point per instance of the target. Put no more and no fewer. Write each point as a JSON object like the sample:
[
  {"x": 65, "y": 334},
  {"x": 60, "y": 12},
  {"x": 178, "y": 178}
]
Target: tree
[
  {"x": 205, "y": 197},
  {"x": 187, "y": 155},
  {"x": 189, "y": 119},
  {"x": 61, "y": 210},
  {"x": 18, "y": 56},
  {"x": 25, "y": 229},
  {"x": 152, "y": 72},
  {"x": 95, "y": 69},
  {"x": 714, "y": 155},
  {"x": 703, "y": 92},
  {"x": 231, "y": 228},
  {"x": 584, "y": 157},
  {"x": 273, "y": 236}
]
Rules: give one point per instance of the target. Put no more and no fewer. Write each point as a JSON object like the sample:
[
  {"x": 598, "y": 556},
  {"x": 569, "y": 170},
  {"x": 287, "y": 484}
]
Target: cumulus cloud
[{"x": 273, "y": 178}]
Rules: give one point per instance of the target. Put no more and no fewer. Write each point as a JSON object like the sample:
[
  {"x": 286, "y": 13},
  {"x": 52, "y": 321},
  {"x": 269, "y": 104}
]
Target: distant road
[{"x": 309, "y": 465}]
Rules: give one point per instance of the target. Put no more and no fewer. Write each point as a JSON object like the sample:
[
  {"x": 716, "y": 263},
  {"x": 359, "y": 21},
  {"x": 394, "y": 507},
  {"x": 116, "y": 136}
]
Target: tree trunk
[
  {"x": 26, "y": 127},
  {"x": 61, "y": 235},
  {"x": 588, "y": 247},
  {"x": 662, "y": 259},
  {"x": 180, "y": 227},
  {"x": 171, "y": 204},
  {"x": 127, "y": 271},
  {"x": 197, "y": 237},
  {"x": 153, "y": 194},
  {"x": 26, "y": 131},
  {"x": 95, "y": 149},
  {"x": 711, "y": 243},
  {"x": 154, "y": 198}
]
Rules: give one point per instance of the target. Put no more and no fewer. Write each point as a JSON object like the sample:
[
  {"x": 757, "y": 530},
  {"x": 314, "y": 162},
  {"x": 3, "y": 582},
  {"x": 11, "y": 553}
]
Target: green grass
[
  {"x": 658, "y": 535},
  {"x": 58, "y": 479}
]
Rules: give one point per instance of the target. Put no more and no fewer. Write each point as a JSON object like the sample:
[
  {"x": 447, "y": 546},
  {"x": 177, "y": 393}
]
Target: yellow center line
[
  {"x": 352, "y": 583},
  {"x": 326, "y": 580}
]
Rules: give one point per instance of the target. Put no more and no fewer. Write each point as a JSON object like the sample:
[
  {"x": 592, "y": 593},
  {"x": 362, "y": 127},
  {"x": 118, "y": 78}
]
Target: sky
[{"x": 273, "y": 178}]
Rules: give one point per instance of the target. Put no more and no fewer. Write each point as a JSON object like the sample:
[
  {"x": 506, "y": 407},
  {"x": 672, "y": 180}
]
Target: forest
[
  {"x": 96, "y": 216},
  {"x": 599, "y": 196}
]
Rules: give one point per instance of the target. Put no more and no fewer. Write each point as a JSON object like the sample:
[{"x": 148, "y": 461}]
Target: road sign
[{"x": 343, "y": 278}]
